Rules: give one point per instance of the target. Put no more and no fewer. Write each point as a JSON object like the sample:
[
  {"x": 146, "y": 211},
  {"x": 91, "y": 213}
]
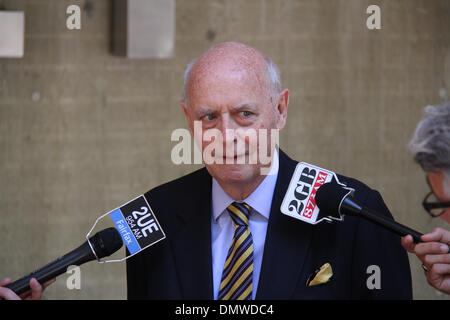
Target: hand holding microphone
[
  {"x": 34, "y": 294},
  {"x": 135, "y": 223},
  {"x": 432, "y": 248},
  {"x": 434, "y": 255},
  {"x": 332, "y": 198},
  {"x": 102, "y": 244}
]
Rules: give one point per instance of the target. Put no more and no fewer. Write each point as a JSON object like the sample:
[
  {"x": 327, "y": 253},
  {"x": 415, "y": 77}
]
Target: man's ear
[
  {"x": 282, "y": 107},
  {"x": 188, "y": 116}
]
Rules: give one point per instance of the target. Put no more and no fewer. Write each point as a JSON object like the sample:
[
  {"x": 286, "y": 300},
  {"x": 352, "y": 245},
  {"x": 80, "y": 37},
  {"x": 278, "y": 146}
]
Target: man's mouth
[{"x": 234, "y": 158}]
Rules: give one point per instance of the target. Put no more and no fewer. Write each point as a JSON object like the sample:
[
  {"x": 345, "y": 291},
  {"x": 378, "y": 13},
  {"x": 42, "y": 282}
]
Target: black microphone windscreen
[
  {"x": 106, "y": 242},
  {"x": 329, "y": 197}
]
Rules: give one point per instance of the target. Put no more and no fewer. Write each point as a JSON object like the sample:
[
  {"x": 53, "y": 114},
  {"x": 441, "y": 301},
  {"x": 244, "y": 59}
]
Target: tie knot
[{"x": 239, "y": 213}]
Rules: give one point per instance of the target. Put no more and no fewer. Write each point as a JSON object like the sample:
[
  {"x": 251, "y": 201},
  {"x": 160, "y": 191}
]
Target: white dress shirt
[{"x": 222, "y": 227}]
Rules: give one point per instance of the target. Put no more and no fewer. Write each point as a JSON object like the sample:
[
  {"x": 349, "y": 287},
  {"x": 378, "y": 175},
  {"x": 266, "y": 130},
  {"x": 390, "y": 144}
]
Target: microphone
[
  {"x": 331, "y": 198},
  {"x": 104, "y": 243}
]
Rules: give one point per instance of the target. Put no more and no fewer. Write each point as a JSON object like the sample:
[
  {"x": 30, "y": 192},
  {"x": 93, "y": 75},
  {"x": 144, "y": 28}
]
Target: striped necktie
[{"x": 237, "y": 275}]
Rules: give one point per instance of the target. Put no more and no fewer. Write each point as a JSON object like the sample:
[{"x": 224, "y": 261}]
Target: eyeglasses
[{"x": 433, "y": 205}]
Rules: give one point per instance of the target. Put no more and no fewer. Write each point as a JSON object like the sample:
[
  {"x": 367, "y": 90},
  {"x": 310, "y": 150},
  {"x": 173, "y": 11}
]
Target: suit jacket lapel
[
  {"x": 286, "y": 245},
  {"x": 192, "y": 240}
]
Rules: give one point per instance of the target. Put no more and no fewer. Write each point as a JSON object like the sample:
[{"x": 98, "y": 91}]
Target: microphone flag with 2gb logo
[{"x": 299, "y": 200}]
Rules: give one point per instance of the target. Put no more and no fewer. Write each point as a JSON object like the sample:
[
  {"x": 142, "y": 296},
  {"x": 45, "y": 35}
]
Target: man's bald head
[{"x": 233, "y": 57}]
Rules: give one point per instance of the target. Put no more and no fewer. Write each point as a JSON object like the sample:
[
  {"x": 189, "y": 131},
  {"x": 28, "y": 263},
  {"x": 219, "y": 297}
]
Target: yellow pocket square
[{"x": 321, "y": 276}]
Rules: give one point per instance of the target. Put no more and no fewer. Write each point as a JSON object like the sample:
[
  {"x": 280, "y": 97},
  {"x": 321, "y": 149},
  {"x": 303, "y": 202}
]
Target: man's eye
[
  {"x": 209, "y": 117},
  {"x": 246, "y": 113}
]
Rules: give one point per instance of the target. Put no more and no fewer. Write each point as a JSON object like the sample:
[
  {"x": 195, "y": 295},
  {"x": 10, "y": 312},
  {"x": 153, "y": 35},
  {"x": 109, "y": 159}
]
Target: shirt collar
[{"x": 260, "y": 199}]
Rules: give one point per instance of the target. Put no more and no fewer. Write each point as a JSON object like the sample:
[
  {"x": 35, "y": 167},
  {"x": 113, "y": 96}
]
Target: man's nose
[{"x": 227, "y": 128}]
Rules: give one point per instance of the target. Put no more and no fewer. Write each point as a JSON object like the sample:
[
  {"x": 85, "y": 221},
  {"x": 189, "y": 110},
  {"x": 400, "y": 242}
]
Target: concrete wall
[{"x": 83, "y": 131}]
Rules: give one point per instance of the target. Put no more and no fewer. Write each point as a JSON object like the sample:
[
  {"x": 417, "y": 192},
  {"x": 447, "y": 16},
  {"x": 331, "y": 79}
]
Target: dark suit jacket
[{"x": 180, "y": 267}]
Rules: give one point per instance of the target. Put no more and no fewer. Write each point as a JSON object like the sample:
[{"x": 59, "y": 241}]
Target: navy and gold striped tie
[{"x": 237, "y": 275}]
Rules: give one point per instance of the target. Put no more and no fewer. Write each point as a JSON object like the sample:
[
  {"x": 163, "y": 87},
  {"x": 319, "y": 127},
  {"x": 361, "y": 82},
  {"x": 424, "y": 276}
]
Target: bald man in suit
[
  {"x": 225, "y": 235},
  {"x": 261, "y": 254}
]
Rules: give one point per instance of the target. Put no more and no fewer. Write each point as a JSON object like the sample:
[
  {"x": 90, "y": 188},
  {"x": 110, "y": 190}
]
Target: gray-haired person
[{"x": 430, "y": 147}]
